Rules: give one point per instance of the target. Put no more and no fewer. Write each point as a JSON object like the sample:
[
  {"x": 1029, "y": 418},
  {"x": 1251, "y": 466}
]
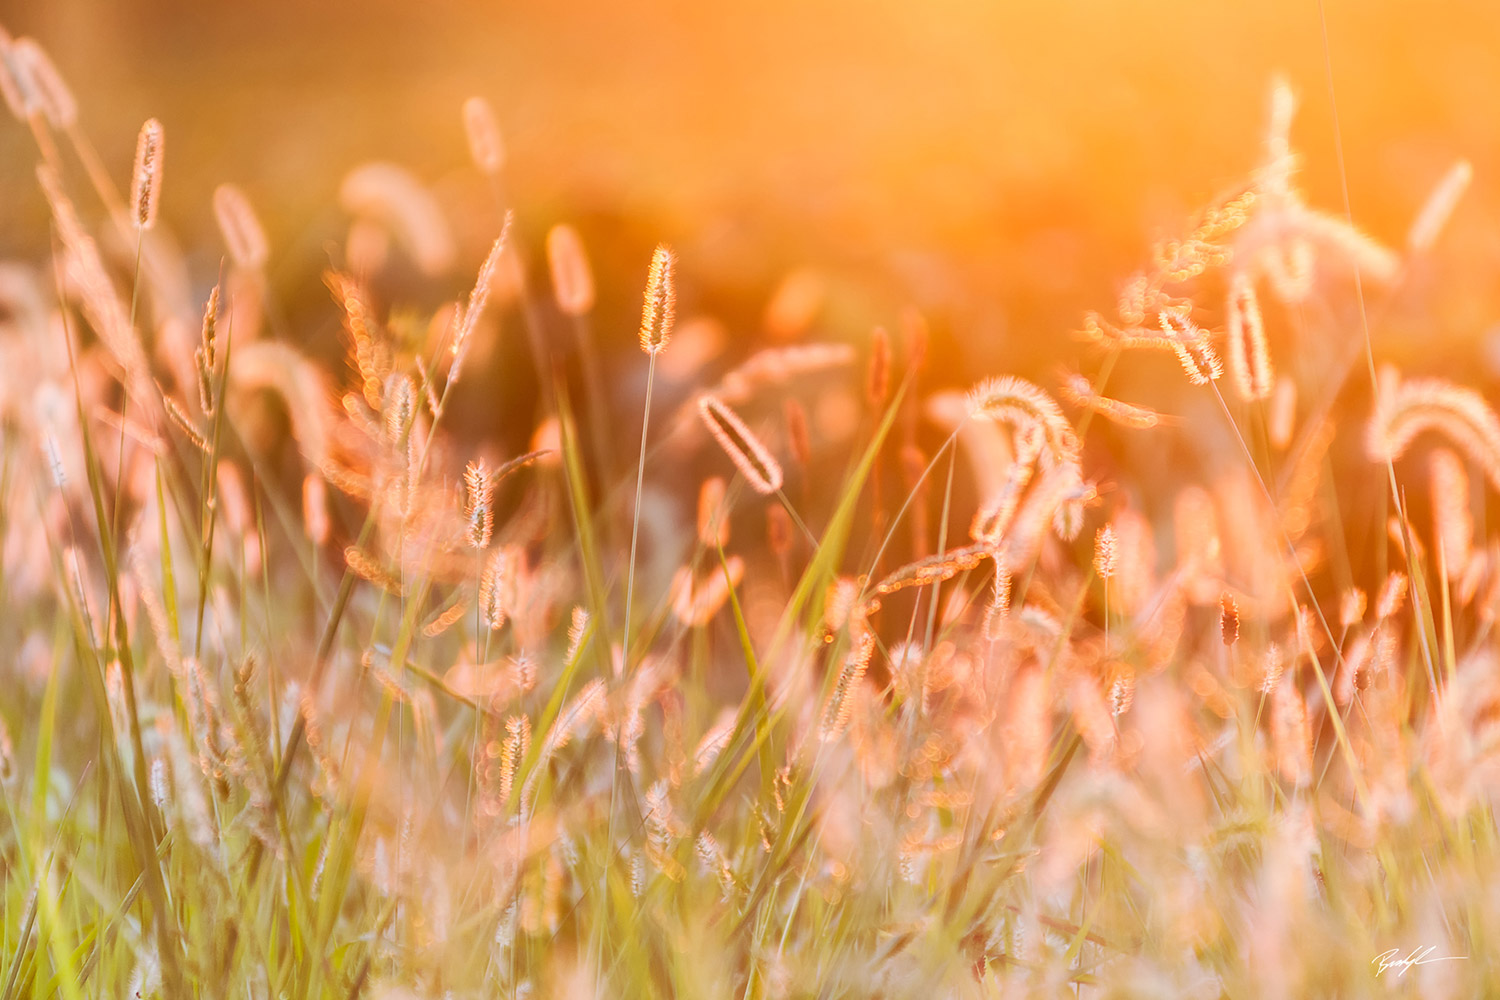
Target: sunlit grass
[{"x": 385, "y": 711}]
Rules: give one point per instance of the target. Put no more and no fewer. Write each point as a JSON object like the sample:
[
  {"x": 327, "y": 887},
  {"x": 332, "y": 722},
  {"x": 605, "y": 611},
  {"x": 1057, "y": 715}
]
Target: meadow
[{"x": 536, "y": 648}]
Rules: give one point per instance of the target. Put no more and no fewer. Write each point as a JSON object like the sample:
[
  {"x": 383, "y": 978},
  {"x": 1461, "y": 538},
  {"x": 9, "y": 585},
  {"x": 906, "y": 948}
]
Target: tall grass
[{"x": 412, "y": 719}]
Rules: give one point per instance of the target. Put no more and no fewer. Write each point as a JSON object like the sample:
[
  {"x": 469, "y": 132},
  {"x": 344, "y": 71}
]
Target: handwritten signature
[{"x": 1419, "y": 956}]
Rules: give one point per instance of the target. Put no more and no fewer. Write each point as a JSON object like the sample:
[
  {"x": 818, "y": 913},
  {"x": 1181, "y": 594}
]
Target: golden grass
[{"x": 442, "y": 732}]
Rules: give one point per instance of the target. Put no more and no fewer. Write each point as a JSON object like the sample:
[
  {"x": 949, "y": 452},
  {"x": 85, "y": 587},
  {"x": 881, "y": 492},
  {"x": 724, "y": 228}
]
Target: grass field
[{"x": 494, "y": 659}]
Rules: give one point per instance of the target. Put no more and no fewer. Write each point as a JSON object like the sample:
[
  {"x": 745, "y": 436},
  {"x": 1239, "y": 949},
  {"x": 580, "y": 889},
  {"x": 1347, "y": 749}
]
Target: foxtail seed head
[
  {"x": 479, "y": 297},
  {"x": 1229, "y": 619},
  {"x": 16, "y": 85},
  {"x": 479, "y": 506},
  {"x": 315, "y": 509},
  {"x": 1105, "y": 548},
  {"x": 753, "y": 459},
  {"x": 205, "y": 356},
  {"x": 1429, "y": 222},
  {"x": 661, "y": 302},
  {"x": 53, "y": 97},
  {"x": 242, "y": 232},
  {"x": 145, "y": 181},
  {"x": 1249, "y": 356},
  {"x": 572, "y": 279},
  {"x": 485, "y": 145},
  {"x": 713, "y": 516}
]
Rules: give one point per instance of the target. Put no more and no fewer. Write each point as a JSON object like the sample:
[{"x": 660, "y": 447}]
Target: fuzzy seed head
[
  {"x": 1191, "y": 344},
  {"x": 1283, "y": 416},
  {"x": 999, "y": 604},
  {"x": 205, "y": 357},
  {"x": 1434, "y": 215},
  {"x": 1249, "y": 355},
  {"x": 1275, "y": 665},
  {"x": 486, "y": 147},
  {"x": 572, "y": 278},
  {"x": 1291, "y": 736},
  {"x": 398, "y": 404},
  {"x": 713, "y": 518},
  {"x": 1080, "y": 392},
  {"x": 315, "y": 509},
  {"x": 696, "y": 600},
  {"x": 1352, "y": 607},
  {"x": 235, "y": 501},
  {"x": 1105, "y": 552},
  {"x": 753, "y": 459},
  {"x": 933, "y": 569},
  {"x": 16, "y": 84},
  {"x": 145, "y": 180},
  {"x": 160, "y": 784},
  {"x": 1407, "y": 408},
  {"x": 1453, "y": 519},
  {"x": 1229, "y": 619},
  {"x": 1392, "y": 596},
  {"x": 241, "y": 229},
  {"x": 840, "y": 705},
  {"x": 1027, "y": 408},
  {"x": 479, "y": 297},
  {"x": 479, "y": 506},
  {"x": 53, "y": 97},
  {"x": 660, "y": 309},
  {"x": 499, "y": 586},
  {"x": 577, "y": 628},
  {"x": 513, "y": 751}
]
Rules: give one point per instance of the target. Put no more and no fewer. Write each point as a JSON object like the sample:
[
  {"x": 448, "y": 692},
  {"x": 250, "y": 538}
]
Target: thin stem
[
  {"x": 135, "y": 298},
  {"x": 635, "y": 521},
  {"x": 890, "y": 533},
  {"x": 797, "y": 519},
  {"x": 1338, "y": 727},
  {"x": 1364, "y": 324},
  {"x": 932, "y": 610},
  {"x": 635, "y": 531},
  {"x": 479, "y": 658}
]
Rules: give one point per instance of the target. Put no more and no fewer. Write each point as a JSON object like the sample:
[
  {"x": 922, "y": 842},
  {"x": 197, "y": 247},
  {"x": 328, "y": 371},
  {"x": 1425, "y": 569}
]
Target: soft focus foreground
[{"x": 806, "y": 673}]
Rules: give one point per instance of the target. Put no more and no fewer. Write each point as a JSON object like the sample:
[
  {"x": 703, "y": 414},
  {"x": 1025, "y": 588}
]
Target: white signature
[{"x": 1419, "y": 956}]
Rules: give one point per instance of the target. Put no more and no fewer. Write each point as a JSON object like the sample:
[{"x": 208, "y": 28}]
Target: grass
[{"x": 901, "y": 750}]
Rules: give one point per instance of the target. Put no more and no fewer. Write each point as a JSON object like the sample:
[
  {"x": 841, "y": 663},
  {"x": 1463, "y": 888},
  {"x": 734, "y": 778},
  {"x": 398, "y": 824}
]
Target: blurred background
[{"x": 999, "y": 166}]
